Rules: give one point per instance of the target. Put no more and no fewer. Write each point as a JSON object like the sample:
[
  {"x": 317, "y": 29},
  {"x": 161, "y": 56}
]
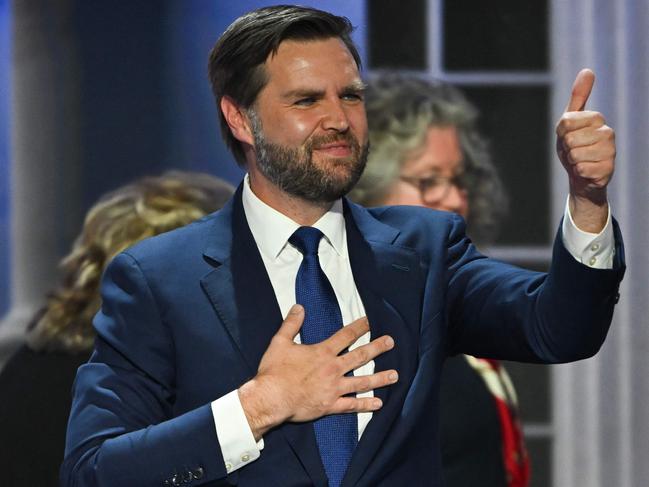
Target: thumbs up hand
[{"x": 586, "y": 148}]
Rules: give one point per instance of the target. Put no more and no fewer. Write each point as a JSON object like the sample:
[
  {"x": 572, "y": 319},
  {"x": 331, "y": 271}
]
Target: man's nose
[{"x": 335, "y": 116}]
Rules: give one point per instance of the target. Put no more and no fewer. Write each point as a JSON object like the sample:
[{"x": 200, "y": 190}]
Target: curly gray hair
[{"x": 400, "y": 108}]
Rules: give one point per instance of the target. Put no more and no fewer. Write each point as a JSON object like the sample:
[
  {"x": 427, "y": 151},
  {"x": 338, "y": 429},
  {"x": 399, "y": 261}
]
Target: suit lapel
[
  {"x": 240, "y": 290},
  {"x": 243, "y": 297},
  {"x": 387, "y": 277}
]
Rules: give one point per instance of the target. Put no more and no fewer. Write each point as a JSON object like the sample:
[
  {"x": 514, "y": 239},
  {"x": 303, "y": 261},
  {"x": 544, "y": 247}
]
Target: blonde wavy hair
[{"x": 147, "y": 207}]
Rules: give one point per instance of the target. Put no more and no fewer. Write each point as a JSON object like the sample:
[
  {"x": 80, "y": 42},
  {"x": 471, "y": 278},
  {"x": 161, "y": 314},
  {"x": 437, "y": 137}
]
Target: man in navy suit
[{"x": 198, "y": 374}]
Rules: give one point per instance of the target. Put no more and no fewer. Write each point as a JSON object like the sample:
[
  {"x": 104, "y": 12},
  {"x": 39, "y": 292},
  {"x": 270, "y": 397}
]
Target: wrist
[
  {"x": 589, "y": 213},
  {"x": 583, "y": 195},
  {"x": 260, "y": 409}
]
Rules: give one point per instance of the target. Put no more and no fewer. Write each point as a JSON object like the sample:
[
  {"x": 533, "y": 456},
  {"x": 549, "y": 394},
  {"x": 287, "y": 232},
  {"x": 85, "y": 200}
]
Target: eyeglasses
[{"x": 435, "y": 188}]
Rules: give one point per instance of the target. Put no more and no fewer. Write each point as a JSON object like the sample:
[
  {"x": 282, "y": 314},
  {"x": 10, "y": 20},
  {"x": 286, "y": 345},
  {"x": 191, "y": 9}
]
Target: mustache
[{"x": 320, "y": 140}]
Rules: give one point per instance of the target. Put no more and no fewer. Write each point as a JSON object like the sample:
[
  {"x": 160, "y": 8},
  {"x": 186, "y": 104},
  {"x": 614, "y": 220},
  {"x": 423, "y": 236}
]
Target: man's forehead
[
  {"x": 298, "y": 54},
  {"x": 312, "y": 66}
]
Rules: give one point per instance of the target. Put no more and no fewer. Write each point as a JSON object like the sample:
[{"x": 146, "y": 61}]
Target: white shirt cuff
[
  {"x": 237, "y": 442},
  {"x": 592, "y": 249}
]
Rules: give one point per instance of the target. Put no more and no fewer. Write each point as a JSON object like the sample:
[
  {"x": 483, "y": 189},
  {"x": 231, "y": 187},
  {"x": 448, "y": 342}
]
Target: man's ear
[{"x": 237, "y": 120}]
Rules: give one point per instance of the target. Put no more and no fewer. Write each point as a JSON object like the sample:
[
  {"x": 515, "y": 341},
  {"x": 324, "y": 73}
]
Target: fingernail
[
  {"x": 389, "y": 342},
  {"x": 393, "y": 376},
  {"x": 377, "y": 403}
]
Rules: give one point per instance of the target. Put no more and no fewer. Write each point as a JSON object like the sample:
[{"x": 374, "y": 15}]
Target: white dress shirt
[
  {"x": 271, "y": 231},
  {"x": 592, "y": 249}
]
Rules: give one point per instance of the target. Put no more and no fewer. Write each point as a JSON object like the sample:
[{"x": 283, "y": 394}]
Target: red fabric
[{"x": 517, "y": 464}]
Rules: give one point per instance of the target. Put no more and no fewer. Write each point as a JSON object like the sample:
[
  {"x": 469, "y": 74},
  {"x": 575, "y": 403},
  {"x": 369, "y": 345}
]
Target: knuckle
[
  {"x": 368, "y": 403},
  {"x": 355, "y": 326},
  {"x": 348, "y": 334},
  {"x": 361, "y": 404},
  {"x": 361, "y": 329},
  {"x": 385, "y": 378},
  {"x": 324, "y": 404},
  {"x": 566, "y": 117},
  {"x": 327, "y": 348},
  {"x": 346, "y": 405},
  {"x": 362, "y": 355},
  {"x": 569, "y": 139},
  {"x": 345, "y": 387},
  {"x": 331, "y": 369}
]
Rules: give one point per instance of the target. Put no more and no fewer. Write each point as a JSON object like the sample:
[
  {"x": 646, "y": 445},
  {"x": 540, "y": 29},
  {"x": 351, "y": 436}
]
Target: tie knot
[{"x": 306, "y": 239}]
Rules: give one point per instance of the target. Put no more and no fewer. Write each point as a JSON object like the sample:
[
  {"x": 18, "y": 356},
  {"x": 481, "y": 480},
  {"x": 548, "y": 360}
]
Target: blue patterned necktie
[{"x": 337, "y": 435}]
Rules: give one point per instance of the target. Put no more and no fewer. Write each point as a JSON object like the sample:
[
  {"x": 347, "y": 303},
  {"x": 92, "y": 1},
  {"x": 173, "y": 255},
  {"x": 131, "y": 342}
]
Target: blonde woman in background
[
  {"x": 35, "y": 385},
  {"x": 426, "y": 151}
]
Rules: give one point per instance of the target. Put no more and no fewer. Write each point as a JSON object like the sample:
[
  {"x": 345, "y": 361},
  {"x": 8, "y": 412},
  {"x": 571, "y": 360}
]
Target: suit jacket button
[{"x": 198, "y": 473}]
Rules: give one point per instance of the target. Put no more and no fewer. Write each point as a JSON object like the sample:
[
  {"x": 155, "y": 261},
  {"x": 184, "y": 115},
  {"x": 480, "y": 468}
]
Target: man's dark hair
[{"x": 236, "y": 62}]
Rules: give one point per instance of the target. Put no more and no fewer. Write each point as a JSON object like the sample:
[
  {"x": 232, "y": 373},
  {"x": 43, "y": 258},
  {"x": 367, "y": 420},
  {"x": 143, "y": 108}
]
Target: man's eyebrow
[
  {"x": 303, "y": 93},
  {"x": 354, "y": 87}
]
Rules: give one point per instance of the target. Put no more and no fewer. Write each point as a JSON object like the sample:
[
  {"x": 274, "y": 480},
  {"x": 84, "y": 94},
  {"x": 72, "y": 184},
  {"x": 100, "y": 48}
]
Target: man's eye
[
  {"x": 305, "y": 102},
  {"x": 352, "y": 97}
]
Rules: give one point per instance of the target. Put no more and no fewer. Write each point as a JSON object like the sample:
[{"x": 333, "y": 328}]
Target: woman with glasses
[{"x": 426, "y": 151}]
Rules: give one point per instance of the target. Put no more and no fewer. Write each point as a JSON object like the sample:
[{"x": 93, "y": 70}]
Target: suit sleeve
[
  {"x": 502, "y": 311},
  {"x": 122, "y": 430}
]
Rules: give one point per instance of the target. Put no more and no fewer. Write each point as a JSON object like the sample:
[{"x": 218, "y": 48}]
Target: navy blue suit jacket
[{"x": 187, "y": 316}]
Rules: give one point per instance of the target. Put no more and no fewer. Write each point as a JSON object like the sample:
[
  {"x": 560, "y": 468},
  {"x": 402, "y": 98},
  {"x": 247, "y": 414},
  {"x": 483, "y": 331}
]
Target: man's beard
[{"x": 293, "y": 170}]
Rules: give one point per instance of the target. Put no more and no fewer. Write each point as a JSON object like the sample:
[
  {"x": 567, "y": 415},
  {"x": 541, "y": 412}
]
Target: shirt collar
[{"x": 272, "y": 229}]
